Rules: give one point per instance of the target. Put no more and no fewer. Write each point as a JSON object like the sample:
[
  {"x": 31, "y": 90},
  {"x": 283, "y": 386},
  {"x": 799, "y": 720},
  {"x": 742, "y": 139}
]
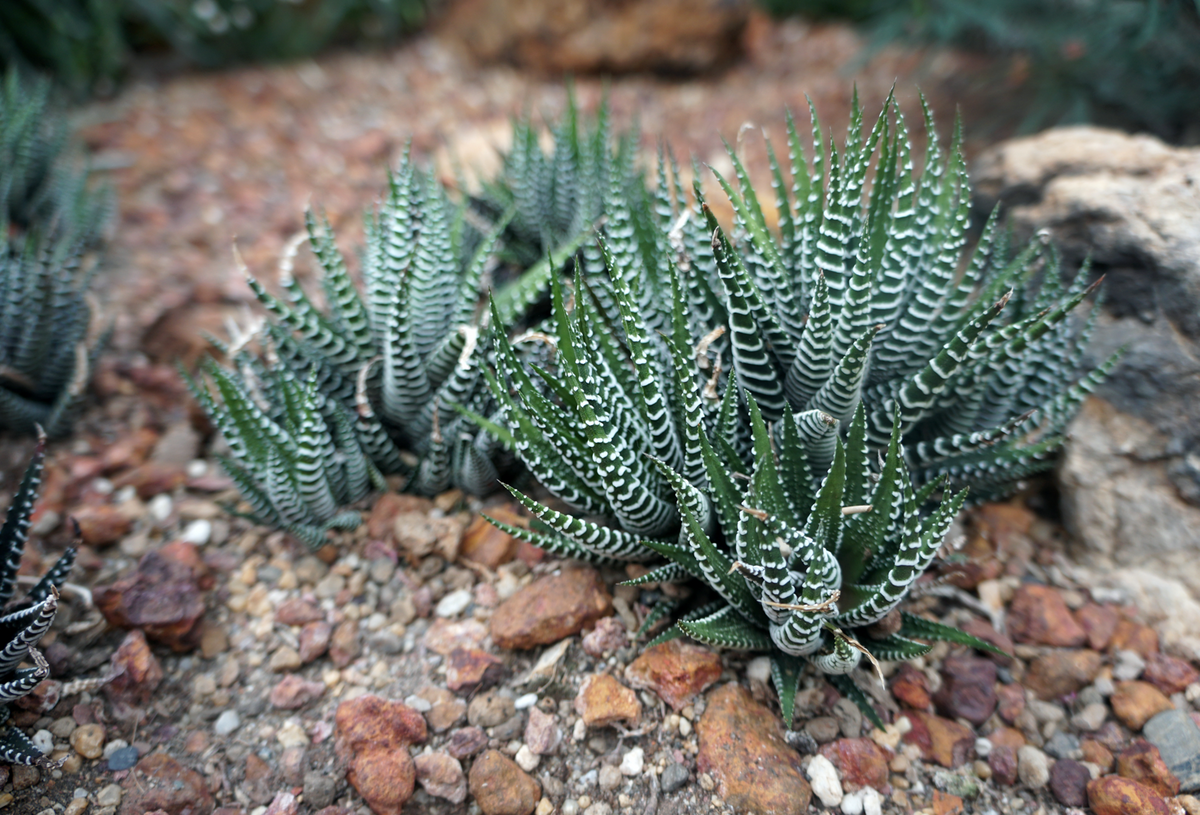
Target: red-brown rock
[
  {"x": 162, "y": 598},
  {"x": 384, "y": 778},
  {"x": 1007, "y": 737},
  {"x": 542, "y": 733},
  {"x": 608, "y": 635},
  {"x": 445, "y": 635},
  {"x": 296, "y": 611},
  {"x": 942, "y": 740},
  {"x": 483, "y": 543},
  {"x": 387, "y": 507},
  {"x": 1169, "y": 674},
  {"x": 1003, "y": 763},
  {"x": 911, "y": 687},
  {"x": 447, "y": 709},
  {"x": 968, "y": 689},
  {"x": 675, "y": 670},
  {"x": 344, "y": 644},
  {"x": 135, "y": 669},
  {"x": 1135, "y": 702},
  {"x": 742, "y": 748},
  {"x": 859, "y": 762},
  {"x": 1038, "y": 615},
  {"x": 370, "y": 721},
  {"x": 1141, "y": 762},
  {"x": 1131, "y": 636},
  {"x": 1097, "y": 754},
  {"x": 1068, "y": 782},
  {"x": 1113, "y": 795},
  {"x": 1098, "y": 623},
  {"x": 551, "y": 608},
  {"x": 1060, "y": 672},
  {"x": 294, "y": 692},
  {"x": 1010, "y": 701},
  {"x": 314, "y": 641},
  {"x": 159, "y": 782},
  {"x": 101, "y": 524},
  {"x": 500, "y": 787},
  {"x": 441, "y": 776},
  {"x": 603, "y": 700},
  {"x": 466, "y": 742},
  {"x": 470, "y": 669}
]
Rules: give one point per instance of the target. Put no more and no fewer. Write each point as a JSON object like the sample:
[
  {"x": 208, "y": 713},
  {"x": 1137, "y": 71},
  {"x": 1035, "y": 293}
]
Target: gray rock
[
  {"x": 1128, "y": 665},
  {"x": 823, "y": 729},
  {"x": 1178, "y": 741},
  {"x": 1062, "y": 745},
  {"x": 1090, "y": 717},
  {"x": 674, "y": 776},
  {"x": 1131, "y": 474},
  {"x": 849, "y": 718},
  {"x": 319, "y": 790}
]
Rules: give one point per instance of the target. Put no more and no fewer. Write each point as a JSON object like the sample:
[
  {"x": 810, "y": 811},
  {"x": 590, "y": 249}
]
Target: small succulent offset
[
  {"x": 772, "y": 418},
  {"x": 23, "y": 624},
  {"x": 386, "y": 372},
  {"x": 45, "y": 361}
]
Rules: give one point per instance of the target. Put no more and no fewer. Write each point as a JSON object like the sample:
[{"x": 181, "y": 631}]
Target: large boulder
[
  {"x": 1130, "y": 477},
  {"x": 589, "y": 36}
]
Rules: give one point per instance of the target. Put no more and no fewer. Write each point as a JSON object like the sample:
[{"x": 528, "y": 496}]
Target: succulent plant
[
  {"x": 388, "y": 371},
  {"x": 798, "y": 402},
  {"x": 44, "y": 186},
  {"x": 45, "y": 361},
  {"x": 23, "y": 624}
]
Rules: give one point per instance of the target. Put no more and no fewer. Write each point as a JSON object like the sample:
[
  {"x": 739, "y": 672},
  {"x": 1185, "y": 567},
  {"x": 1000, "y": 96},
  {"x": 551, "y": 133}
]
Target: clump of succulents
[
  {"x": 771, "y": 415},
  {"x": 45, "y": 360},
  {"x": 23, "y": 624},
  {"x": 44, "y": 186},
  {"x": 391, "y": 371}
]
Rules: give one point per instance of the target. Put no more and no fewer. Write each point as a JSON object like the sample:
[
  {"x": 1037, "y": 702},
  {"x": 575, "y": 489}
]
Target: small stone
[
  {"x": 1131, "y": 636},
  {"x": 372, "y": 722},
  {"x": 968, "y": 689},
  {"x": 441, "y": 776},
  {"x": 1134, "y": 703},
  {"x": 320, "y": 789},
  {"x": 470, "y": 669},
  {"x": 284, "y": 659},
  {"x": 1062, "y": 672},
  {"x": 500, "y": 787},
  {"x": 487, "y": 545},
  {"x": 123, "y": 759},
  {"x": 466, "y": 742},
  {"x": 1033, "y": 767},
  {"x": 551, "y": 608},
  {"x": 198, "y": 532},
  {"x": 109, "y": 795},
  {"x": 1177, "y": 738},
  {"x": 1038, "y": 615},
  {"x": 1062, "y": 745},
  {"x": 859, "y": 762},
  {"x": 490, "y": 708},
  {"x": 1096, "y": 753},
  {"x": 344, "y": 644},
  {"x": 159, "y": 782},
  {"x": 823, "y": 729},
  {"x": 1010, "y": 702},
  {"x": 162, "y": 598},
  {"x": 453, "y": 603},
  {"x": 942, "y": 740},
  {"x": 1169, "y": 674},
  {"x": 298, "y": 612},
  {"x": 674, "y": 777},
  {"x": 1113, "y": 795},
  {"x": 542, "y": 733},
  {"x": 743, "y": 747},
  {"x": 824, "y": 780},
  {"x": 911, "y": 687},
  {"x": 88, "y": 740},
  {"x": 633, "y": 762},
  {"x": 1098, "y": 622},
  {"x": 849, "y": 717},
  {"x": 314, "y": 640},
  {"x": 984, "y": 631},
  {"x": 1002, "y": 761},
  {"x": 101, "y": 524},
  {"x": 1128, "y": 665},
  {"x": 603, "y": 700},
  {"x": 526, "y": 759},
  {"x": 385, "y": 778},
  {"x": 608, "y": 635},
  {"x": 294, "y": 692},
  {"x": 227, "y": 722},
  {"x": 676, "y": 670},
  {"x": 1090, "y": 717},
  {"x": 1142, "y": 762}
]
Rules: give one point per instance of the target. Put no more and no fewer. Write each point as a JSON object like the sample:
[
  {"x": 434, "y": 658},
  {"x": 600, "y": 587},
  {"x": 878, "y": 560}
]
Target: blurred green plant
[
  {"x": 1134, "y": 63},
  {"x": 86, "y": 45}
]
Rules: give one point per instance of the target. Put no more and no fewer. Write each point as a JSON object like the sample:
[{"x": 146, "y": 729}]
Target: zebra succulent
[
  {"x": 785, "y": 458},
  {"x": 387, "y": 371},
  {"x": 45, "y": 360},
  {"x": 23, "y": 624}
]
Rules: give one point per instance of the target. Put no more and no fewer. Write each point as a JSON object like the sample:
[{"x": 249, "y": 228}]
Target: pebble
[
  {"x": 490, "y": 708},
  {"x": 1142, "y": 762},
  {"x": 109, "y": 795},
  {"x": 285, "y": 658},
  {"x": 227, "y": 722},
  {"x": 88, "y": 740},
  {"x": 1038, "y": 615},
  {"x": 526, "y": 701},
  {"x": 500, "y": 787},
  {"x": 824, "y": 779},
  {"x": 823, "y": 729},
  {"x": 1062, "y": 745},
  {"x": 454, "y": 603},
  {"x": 1169, "y": 674},
  {"x": 1113, "y": 795},
  {"x": 551, "y": 608},
  {"x": 1177, "y": 738},
  {"x": 122, "y": 759},
  {"x": 602, "y": 700},
  {"x": 674, "y": 777},
  {"x": 609, "y": 777},
  {"x": 633, "y": 762},
  {"x": 160, "y": 507},
  {"x": 44, "y": 741},
  {"x": 859, "y": 762},
  {"x": 441, "y": 776},
  {"x": 526, "y": 759},
  {"x": 198, "y": 532},
  {"x": 1090, "y": 717},
  {"x": 1033, "y": 767},
  {"x": 1061, "y": 672},
  {"x": 942, "y": 740},
  {"x": 1134, "y": 703},
  {"x": 968, "y": 689},
  {"x": 676, "y": 670},
  {"x": 1127, "y": 666}
]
